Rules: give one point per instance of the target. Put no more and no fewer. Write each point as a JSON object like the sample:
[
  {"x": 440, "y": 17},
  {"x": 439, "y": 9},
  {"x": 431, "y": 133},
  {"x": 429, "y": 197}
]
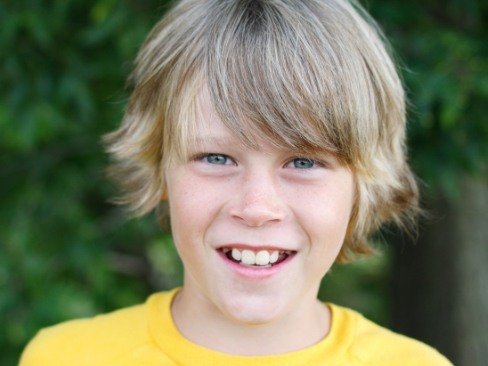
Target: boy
[{"x": 275, "y": 129}]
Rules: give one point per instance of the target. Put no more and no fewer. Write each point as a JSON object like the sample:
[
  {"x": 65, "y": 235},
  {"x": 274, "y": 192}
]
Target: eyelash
[
  {"x": 202, "y": 156},
  {"x": 316, "y": 163}
]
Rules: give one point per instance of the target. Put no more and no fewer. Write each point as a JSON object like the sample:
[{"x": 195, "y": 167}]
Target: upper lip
[{"x": 255, "y": 247}]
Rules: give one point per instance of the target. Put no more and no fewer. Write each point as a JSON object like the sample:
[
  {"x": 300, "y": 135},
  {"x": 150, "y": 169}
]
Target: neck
[{"x": 302, "y": 327}]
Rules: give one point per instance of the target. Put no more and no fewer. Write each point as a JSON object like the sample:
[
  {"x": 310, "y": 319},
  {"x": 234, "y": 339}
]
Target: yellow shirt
[{"x": 145, "y": 335}]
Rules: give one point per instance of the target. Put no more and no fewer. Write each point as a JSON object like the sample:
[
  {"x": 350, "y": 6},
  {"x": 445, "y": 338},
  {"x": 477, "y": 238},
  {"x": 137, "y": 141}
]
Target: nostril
[
  {"x": 259, "y": 201},
  {"x": 258, "y": 216}
]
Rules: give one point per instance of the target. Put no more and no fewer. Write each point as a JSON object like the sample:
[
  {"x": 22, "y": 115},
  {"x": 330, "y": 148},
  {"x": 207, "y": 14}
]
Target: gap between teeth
[{"x": 260, "y": 258}]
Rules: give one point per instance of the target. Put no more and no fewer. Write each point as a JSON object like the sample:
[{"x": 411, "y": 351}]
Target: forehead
[{"x": 209, "y": 128}]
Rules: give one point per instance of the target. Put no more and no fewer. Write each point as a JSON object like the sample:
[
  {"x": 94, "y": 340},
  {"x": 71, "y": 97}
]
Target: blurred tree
[
  {"x": 63, "y": 253},
  {"x": 440, "y": 293}
]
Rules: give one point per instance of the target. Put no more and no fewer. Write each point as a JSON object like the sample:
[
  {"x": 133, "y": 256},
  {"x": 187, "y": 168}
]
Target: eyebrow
[{"x": 214, "y": 139}]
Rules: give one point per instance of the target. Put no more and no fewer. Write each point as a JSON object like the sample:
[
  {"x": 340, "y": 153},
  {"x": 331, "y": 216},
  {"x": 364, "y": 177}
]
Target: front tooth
[
  {"x": 262, "y": 258},
  {"x": 236, "y": 254},
  {"x": 273, "y": 258},
  {"x": 248, "y": 257}
]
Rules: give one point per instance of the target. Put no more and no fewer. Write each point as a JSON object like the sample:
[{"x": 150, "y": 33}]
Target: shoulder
[
  {"x": 90, "y": 341},
  {"x": 372, "y": 344}
]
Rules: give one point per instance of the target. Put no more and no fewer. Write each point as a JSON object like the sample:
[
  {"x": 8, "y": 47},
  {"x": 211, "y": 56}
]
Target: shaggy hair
[{"x": 310, "y": 75}]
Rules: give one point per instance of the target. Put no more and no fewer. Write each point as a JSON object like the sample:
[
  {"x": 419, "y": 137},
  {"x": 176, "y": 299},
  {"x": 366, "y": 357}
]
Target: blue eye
[
  {"x": 217, "y": 159},
  {"x": 303, "y": 163}
]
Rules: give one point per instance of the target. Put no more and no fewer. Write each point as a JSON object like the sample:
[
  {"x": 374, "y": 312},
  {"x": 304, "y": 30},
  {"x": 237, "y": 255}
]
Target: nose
[{"x": 259, "y": 201}]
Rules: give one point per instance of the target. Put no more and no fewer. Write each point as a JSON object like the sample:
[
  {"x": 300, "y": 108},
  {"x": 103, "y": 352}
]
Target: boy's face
[{"x": 267, "y": 205}]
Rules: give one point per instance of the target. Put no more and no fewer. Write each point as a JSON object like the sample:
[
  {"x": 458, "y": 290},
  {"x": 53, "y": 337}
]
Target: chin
[{"x": 253, "y": 309}]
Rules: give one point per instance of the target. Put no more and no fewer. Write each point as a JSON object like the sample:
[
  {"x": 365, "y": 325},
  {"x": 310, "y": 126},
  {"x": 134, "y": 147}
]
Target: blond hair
[{"x": 310, "y": 75}]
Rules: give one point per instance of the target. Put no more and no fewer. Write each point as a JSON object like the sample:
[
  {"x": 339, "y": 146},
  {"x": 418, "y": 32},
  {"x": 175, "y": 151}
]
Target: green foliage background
[{"x": 65, "y": 252}]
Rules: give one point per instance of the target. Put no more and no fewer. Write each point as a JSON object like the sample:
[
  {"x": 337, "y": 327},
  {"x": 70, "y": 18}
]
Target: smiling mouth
[{"x": 256, "y": 259}]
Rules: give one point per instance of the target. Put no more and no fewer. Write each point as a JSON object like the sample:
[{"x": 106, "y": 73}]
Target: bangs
[
  {"x": 286, "y": 77},
  {"x": 268, "y": 76}
]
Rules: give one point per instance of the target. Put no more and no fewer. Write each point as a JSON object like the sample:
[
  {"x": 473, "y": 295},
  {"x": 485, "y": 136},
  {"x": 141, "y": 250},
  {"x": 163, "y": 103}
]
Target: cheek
[
  {"x": 325, "y": 212},
  {"x": 330, "y": 204},
  {"x": 187, "y": 224},
  {"x": 193, "y": 205}
]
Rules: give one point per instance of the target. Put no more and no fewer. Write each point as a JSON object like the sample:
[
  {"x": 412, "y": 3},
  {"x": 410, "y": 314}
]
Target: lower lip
[{"x": 256, "y": 272}]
